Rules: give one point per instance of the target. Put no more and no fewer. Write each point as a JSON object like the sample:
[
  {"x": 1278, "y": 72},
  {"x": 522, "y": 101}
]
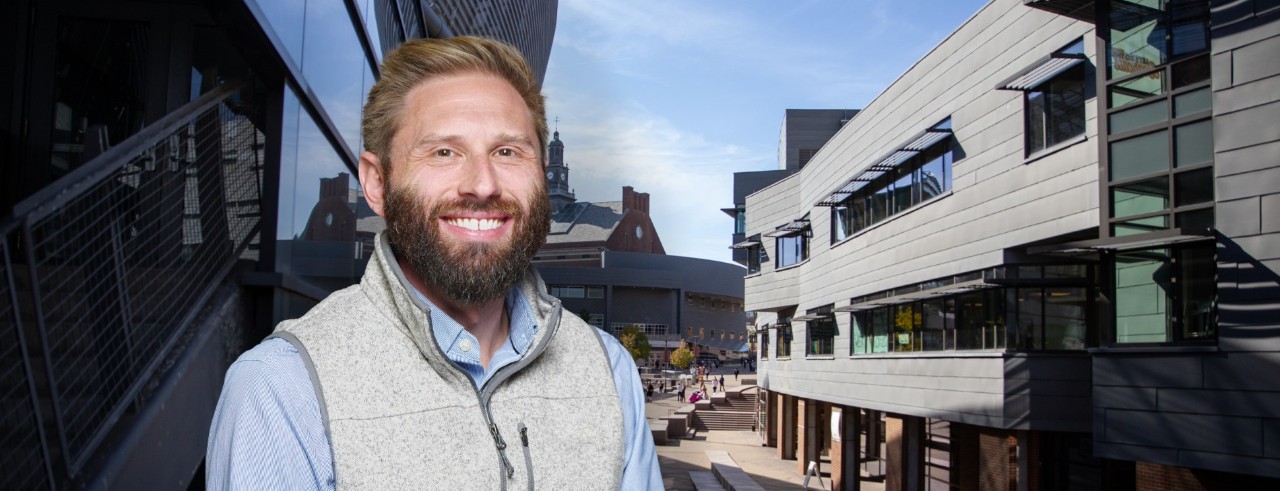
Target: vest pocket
[{"x": 528, "y": 457}]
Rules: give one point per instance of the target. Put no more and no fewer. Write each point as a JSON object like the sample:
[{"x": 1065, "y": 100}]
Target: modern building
[
  {"x": 176, "y": 178},
  {"x": 606, "y": 262},
  {"x": 1045, "y": 257},
  {"x": 803, "y": 132}
]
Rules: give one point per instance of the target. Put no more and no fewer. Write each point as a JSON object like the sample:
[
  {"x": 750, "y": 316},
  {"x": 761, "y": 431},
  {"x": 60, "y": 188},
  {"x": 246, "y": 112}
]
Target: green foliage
[
  {"x": 635, "y": 341},
  {"x": 682, "y": 357}
]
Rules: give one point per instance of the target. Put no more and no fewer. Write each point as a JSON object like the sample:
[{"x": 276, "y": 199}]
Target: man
[{"x": 448, "y": 366}]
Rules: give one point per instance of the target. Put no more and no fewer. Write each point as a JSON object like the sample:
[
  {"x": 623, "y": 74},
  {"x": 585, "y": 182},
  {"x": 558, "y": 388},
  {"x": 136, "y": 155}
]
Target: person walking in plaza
[
  {"x": 735, "y": 375},
  {"x": 439, "y": 369}
]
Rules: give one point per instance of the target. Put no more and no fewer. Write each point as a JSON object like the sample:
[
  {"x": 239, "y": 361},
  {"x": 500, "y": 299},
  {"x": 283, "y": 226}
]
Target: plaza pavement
[{"x": 679, "y": 456}]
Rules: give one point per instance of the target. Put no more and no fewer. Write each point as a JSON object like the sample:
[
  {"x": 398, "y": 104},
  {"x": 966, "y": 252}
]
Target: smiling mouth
[{"x": 475, "y": 224}]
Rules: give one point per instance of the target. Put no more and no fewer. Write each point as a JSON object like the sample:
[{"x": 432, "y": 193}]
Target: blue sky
[{"x": 674, "y": 96}]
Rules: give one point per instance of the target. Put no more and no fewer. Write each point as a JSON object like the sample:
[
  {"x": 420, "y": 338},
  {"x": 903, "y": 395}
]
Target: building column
[
  {"x": 844, "y": 448},
  {"x": 904, "y": 449},
  {"x": 964, "y": 456},
  {"x": 997, "y": 460},
  {"x": 786, "y": 426},
  {"x": 770, "y": 420},
  {"x": 807, "y": 433}
]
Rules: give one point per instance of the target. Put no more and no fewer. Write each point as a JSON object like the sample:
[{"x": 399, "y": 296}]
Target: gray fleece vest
[{"x": 400, "y": 415}]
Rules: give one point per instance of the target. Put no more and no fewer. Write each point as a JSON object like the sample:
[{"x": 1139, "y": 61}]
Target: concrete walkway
[{"x": 679, "y": 456}]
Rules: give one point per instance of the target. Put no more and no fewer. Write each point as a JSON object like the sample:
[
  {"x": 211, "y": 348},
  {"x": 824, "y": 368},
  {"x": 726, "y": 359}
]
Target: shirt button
[{"x": 465, "y": 345}]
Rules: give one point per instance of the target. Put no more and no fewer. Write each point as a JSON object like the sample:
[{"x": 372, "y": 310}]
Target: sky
[{"x": 672, "y": 97}]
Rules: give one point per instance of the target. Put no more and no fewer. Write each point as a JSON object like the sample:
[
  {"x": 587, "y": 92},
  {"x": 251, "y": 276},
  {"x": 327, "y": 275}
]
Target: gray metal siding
[
  {"x": 999, "y": 200},
  {"x": 1220, "y": 410}
]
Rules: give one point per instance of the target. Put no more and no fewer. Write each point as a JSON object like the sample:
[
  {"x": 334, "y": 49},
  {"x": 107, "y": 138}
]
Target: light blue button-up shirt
[{"x": 268, "y": 432}]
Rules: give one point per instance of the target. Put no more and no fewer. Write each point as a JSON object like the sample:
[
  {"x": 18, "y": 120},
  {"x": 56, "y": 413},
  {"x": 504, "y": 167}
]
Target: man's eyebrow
[
  {"x": 458, "y": 140},
  {"x": 435, "y": 139},
  {"x": 509, "y": 138}
]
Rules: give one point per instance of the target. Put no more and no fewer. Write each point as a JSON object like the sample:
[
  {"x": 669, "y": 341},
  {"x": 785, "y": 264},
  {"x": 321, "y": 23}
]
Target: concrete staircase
[{"x": 729, "y": 413}]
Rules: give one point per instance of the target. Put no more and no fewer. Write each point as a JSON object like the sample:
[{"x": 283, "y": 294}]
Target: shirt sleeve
[
  {"x": 640, "y": 465},
  {"x": 267, "y": 431}
]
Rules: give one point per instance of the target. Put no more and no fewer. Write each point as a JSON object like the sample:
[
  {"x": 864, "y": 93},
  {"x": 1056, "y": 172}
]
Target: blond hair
[{"x": 419, "y": 60}]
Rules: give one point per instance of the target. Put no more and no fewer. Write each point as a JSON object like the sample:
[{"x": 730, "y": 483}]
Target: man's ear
[{"x": 373, "y": 182}]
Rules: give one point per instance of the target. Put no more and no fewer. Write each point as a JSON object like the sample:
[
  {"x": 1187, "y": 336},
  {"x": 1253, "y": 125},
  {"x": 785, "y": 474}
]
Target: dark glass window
[
  {"x": 1165, "y": 295},
  {"x": 784, "y": 339},
  {"x": 792, "y": 249},
  {"x": 918, "y": 179},
  {"x": 1160, "y": 154},
  {"x": 1055, "y": 110},
  {"x": 821, "y": 333}
]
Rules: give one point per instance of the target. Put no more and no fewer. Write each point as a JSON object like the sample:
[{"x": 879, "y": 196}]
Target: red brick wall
[
  {"x": 894, "y": 479},
  {"x": 1156, "y": 477},
  {"x": 997, "y": 460}
]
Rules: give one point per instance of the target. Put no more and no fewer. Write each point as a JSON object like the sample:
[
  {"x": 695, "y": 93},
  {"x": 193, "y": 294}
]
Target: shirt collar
[{"x": 449, "y": 333}]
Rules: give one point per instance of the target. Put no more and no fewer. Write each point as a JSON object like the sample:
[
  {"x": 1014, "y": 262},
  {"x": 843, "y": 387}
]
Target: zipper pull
[
  {"x": 524, "y": 434},
  {"x": 502, "y": 447}
]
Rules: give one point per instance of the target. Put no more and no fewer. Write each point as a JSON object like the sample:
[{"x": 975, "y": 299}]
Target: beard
[{"x": 465, "y": 272}]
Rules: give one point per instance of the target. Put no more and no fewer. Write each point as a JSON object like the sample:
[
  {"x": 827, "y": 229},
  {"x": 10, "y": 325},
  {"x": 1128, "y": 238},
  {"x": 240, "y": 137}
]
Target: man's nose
[{"x": 481, "y": 179}]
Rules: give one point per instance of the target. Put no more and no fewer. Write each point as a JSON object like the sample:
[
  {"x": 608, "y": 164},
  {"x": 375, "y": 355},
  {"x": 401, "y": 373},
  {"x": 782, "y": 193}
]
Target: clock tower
[{"x": 558, "y": 176}]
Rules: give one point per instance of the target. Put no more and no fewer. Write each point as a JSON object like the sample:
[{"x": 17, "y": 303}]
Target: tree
[
  {"x": 682, "y": 357},
  {"x": 634, "y": 340}
]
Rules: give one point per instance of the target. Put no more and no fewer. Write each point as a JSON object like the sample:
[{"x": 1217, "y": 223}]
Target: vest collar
[{"x": 384, "y": 282}]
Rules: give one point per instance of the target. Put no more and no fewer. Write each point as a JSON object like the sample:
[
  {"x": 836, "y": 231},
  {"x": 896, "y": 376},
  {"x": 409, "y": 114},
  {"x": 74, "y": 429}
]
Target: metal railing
[{"x": 116, "y": 260}]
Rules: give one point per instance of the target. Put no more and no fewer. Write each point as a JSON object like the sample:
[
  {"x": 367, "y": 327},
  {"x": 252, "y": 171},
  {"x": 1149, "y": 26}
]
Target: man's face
[{"x": 465, "y": 205}]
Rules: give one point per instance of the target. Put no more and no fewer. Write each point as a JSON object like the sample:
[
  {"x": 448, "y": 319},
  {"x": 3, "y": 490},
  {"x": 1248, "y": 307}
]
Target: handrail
[
  {"x": 116, "y": 261},
  {"x": 80, "y": 179}
]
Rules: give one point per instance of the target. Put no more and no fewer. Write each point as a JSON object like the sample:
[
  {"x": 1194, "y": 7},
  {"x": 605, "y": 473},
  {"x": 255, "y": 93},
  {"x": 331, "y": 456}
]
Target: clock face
[
  {"x": 550, "y": 175},
  {"x": 639, "y": 232}
]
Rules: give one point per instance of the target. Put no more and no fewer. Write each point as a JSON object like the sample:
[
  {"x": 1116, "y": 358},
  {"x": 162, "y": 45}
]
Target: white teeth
[{"x": 476, "y": 224}]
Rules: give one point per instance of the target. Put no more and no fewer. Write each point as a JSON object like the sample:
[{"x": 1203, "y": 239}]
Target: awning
[
  {"x": 1040, "y": 72},
  {"x": 792, "y": 228},
  {"x": 808, "y": 317},
  {"x": 918, "y": 143},
  {"x": 951, "y": 289},
  {"x": 749, "y": 243},
  {"x": 1160, "y": 238}
]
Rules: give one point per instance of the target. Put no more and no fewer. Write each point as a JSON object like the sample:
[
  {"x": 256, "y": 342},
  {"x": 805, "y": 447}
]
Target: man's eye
[
  {"x": 506, "y": 152},
  {"x": 444, "y": 152}
]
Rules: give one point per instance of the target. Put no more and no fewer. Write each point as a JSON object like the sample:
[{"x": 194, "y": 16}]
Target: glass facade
[
  {"x": 915, "y": 181},
  {"x": 1160, "y": 169},
  {"x": 791, "y": 249},
  {"x": 1055, "y": 108},
  {"x": 820, "y": 335},
  {"x": 1042, "y": 308}
]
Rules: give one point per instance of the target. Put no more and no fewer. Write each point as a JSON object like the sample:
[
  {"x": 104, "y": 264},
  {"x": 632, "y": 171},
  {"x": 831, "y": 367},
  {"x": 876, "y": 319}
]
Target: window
[
  {"x": 1043, "y": 308},
  {"x": 784, "y": 339},
  {"x": 1054, "y": 108},
  {"x": 917, "y": 173},
  {"x": 1160, "y": 171},
  {"x": 595, "y": 292},
  {"x": 764, "y": 344},
  {"x": 791, "y": 242},
  {"x": 563, "y": 292},
  {"x": 1165, "y": 295},
  {"x": 806, "y": 154},
  {"x": 792, "y": 249},
  {"x": 821, "y": 333},
  {"x": 740, "y": 220}
]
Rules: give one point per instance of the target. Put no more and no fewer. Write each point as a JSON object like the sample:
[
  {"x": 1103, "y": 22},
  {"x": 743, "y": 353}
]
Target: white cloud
[{"x": 688, "y": 177}]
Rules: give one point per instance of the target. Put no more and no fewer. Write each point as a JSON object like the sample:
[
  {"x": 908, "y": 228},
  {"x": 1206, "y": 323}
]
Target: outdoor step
[
  {"x": 705, "y": 481},
  {"x": 729, "y": 474}
]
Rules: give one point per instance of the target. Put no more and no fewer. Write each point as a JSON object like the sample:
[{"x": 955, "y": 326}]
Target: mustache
[{"x": 499, "y": 205}]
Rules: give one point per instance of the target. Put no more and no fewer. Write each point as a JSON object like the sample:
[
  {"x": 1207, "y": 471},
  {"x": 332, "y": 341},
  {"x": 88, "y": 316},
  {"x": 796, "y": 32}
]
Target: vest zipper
[
  {"x": 528, "y": 457},
  {"x": 502, "y": 449}
]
